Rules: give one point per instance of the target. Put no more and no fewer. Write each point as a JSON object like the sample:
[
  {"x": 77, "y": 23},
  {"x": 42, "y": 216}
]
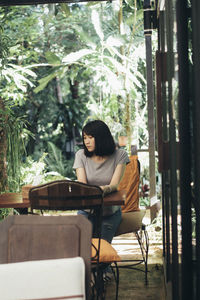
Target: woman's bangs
[{"x": 88, "y": 131}]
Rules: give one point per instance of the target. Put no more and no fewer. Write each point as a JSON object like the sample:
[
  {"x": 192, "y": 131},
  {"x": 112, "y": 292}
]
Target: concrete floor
[{"x": 132, "y": 284}]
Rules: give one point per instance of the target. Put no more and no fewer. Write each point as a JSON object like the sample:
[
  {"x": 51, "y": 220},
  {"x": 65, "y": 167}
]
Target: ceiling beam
[{"x": 32, "y": 2}]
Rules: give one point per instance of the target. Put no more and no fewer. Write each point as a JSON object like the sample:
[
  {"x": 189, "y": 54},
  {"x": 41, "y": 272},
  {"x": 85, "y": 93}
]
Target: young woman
[{"x": 100, "y": 163}]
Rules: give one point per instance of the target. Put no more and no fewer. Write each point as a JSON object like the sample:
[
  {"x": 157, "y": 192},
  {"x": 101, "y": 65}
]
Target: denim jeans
[{"x": 109, "y": 224}]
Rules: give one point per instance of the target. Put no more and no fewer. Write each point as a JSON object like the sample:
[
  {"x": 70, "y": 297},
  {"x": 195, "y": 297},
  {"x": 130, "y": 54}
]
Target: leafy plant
[
  {"x": 35, "y": 172},
  {"x": 49, "y": 167},
  {"x": 145, "y": 202},
  {"x": 56, "y": 162},
  {"x": 32, "y": 172},
  {"x": 5, "y": 212},
  {"x": 81, "y": 68},
  {"x": 13, "y": 87},
  {"x": 17, "y": 134},
  {"x": 14, "y": 129},
  {"x": 111, "y": 59},
  {"x": 155, "y": 229}
]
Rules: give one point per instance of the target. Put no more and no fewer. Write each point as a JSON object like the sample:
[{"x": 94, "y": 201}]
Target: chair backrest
[
  {"x": 130, "y": 182},
  {"x": 65, "y": 195},
  {"x": 27, "y": 238},
  {"x": 69, "y": 195},
  {"x": 51, "y": 279}
]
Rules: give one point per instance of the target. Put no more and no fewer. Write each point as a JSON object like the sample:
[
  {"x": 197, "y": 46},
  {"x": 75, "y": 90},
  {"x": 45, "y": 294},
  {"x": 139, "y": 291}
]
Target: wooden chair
[
  {"x": 132, "y": 215},
  {"x": 37, "y": 238},
  {"x": 73, "y": 195}
]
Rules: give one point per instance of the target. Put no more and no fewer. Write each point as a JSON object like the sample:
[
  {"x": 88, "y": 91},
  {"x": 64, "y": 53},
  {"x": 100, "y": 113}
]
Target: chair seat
[
  {"x": 131, "y": 222},
  {"x": 44, "y": 279}
]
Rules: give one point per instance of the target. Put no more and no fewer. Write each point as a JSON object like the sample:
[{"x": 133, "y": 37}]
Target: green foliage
[
  {"x": 16, "y": 133},
  {"x": 5, "y": 43},
  {"x": 32, "y": 172},
  {"x": 144, "y": 202},
  {"x": 49, "y": 167},
  {"x": 112, "y": 74},
  {"x": 56, "y": 162},
  {"x": 15, "y": 78},
  {"x": 67, "y": 61},
  {"x": 155, "y": 229},
  {"x": 5, "y": 212},
  {"x": 13, "y": 88},
  {"x": 56, "y": 112},
  {"x": 4, "y": 48},
  {"x": 35, "y": 172}
]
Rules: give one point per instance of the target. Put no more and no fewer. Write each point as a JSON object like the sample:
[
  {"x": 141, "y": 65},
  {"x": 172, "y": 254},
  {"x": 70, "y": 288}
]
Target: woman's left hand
[{"x": 107, "y": 189}]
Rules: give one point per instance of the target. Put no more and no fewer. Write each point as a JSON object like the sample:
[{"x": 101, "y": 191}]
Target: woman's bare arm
[
  {"x": 116, "y": 178},
  {"x": 81, "y": 175}
]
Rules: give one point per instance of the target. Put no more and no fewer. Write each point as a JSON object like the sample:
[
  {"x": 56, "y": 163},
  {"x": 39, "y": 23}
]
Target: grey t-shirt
[{"x": 101, "y": 173}]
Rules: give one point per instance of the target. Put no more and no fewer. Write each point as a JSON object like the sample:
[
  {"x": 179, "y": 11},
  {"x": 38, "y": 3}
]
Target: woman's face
[{"x": 89, "y": 142}]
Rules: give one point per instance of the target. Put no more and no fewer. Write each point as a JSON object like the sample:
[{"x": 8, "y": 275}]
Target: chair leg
[
  {"x": 116, "y": 276},
  {"x": 143, "y": 240},
  {"x": 98, "y": 288}
]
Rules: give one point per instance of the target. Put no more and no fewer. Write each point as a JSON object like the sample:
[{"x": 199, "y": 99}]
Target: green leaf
[
  {"x": 114, "y": 41},
  {"x": 52, "y": 58},
  {"x": 17, "y": 78},
  {"x": 65, "y": 8},
  {"x": 116, "y": 65},
  {"x": 25, "y": 70},
  {"x": 44, "y": 81},
  {"x": 85, "y": 37},
  {"x": 97, "y": 25},
  {"x": 75, "y": 56}
]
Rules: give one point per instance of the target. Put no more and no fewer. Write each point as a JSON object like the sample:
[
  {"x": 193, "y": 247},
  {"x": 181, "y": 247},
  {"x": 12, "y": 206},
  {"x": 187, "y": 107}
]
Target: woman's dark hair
[{"x": 104, "y": 142}]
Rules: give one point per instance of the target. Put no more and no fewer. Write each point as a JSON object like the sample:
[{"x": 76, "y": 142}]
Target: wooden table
[
  {"x": 13, "y": 200},
  {"x": 21, "y": 200}
]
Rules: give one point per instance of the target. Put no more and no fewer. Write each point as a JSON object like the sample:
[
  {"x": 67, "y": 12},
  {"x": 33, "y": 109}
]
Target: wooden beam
[{"x": 32, "y": 2}]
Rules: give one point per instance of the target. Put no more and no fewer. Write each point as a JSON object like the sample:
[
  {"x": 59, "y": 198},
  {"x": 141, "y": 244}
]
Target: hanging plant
[
  {"x": 12, "y": 147},
  {"x": 3, "y": 148},
  {"x": 16, "y": 133}
]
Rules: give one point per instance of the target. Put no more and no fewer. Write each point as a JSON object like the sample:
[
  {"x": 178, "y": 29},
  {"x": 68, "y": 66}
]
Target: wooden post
[{"x": 151, "y": 129}]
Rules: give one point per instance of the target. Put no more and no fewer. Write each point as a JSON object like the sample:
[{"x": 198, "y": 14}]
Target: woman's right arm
[{"x": 81, "y": 175}]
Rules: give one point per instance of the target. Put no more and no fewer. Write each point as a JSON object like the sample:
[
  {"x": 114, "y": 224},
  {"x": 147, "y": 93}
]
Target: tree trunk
[
  {"x": 59, "y": 91},
  {"x": 3, "y": 149}
]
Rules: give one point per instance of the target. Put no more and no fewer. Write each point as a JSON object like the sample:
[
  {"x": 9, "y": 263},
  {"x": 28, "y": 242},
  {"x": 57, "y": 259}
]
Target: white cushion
[{"x": 43, "y": 279}]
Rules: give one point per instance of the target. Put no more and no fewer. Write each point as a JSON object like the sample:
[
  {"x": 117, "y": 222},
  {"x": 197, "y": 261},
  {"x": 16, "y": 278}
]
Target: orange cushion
[
  {"x": 107, "y": 253},
  {"x": 130, "y": 183}
]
